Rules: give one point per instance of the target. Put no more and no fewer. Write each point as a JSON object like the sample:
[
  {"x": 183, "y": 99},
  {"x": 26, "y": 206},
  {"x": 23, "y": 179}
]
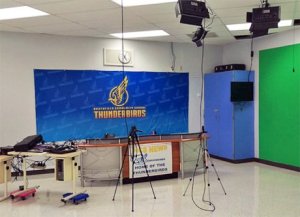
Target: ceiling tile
[
  {"x": 9, "y": 4},
  {"x": 81, "y": 32},
  {"x": 232, "y": 12},
  {"x": 126, "y": 28},
  {"x": 167, "y": 8},
  {"x": 217, "y": 4},
  {"x": 33, "y": 21},
  {"x": 98, "y": 18},
  {"x": 10, "y": 28},
  {"x": 33, "y": 2},
  {"x": 72, "y": 6},
  {"x": 160, "y": 18},
  {"x": 63, "y": 26},
  {"x": 103, "y": 16}
]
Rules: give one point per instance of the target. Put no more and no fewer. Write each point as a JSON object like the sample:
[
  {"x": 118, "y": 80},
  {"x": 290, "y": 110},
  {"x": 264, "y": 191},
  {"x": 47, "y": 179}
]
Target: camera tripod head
[{"x": 133, "y": 131}]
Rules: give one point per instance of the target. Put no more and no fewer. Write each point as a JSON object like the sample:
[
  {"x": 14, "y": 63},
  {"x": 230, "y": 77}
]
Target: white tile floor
[{"x": 253, "y": 189}]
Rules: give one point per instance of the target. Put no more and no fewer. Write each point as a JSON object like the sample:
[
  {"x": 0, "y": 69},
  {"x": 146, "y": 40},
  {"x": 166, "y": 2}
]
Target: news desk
[{"x": 103, "y": 158}]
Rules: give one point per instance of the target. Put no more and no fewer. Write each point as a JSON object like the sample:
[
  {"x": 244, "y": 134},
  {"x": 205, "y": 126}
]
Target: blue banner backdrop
[{"x": 83, "y": 104}]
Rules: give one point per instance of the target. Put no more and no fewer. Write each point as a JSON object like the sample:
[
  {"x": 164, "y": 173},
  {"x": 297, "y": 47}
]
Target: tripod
[
  {"x": 203, "y": 151},
  {"x": 133, "y": 142}
]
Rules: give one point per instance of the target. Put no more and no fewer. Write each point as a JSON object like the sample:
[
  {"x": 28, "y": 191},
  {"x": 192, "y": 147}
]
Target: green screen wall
[{"x": 279, "y": 105}]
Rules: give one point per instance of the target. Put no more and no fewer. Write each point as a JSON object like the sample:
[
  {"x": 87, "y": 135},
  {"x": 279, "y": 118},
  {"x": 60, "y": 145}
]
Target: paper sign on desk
[{"x": 158, "y": 159}]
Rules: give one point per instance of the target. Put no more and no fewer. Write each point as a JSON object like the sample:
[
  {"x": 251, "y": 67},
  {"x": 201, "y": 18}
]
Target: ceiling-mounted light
[
  {"x": 191, "y": 12},
  {"x": 20, "y": 12},
  {"x": 199, "y": 36},
  {"x": 131, "y": 3},
  {"x": 263, "y": 18},
  {"x": 141, "y": 34},
  {"x": 246, "y": 26}
]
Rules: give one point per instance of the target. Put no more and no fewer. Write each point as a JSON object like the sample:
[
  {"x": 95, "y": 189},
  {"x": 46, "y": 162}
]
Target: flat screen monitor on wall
[{"x": 241, "y": 91}]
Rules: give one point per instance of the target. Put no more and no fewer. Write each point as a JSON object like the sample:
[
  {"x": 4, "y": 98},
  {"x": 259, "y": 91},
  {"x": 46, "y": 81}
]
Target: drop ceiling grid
[{"x": 99, "y": 18}]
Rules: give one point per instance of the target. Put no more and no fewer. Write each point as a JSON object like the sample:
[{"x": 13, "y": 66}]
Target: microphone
[{"x": 203, "y": 130}]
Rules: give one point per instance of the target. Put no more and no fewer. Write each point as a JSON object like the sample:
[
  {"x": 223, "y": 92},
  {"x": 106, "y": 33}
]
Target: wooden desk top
[
  {"x": 28, "y": 154},
  {"x": 66, "y": 155},
  {"x": 45, "y": 154},
  {"x": 5, "y": 158},
  {"x": 103, "y": 145}
]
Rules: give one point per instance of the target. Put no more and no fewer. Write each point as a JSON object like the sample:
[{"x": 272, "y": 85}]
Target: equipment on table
[
  {"x": 28, "y": 143},
  {"x": 6, "y": 149}
]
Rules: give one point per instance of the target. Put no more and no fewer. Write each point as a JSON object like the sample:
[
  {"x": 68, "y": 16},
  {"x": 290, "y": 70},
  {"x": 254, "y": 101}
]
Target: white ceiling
[{"x": 99, "y": 18}]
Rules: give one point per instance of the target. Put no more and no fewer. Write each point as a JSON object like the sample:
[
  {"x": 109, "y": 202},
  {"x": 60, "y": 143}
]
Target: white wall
[
  {"x": 191, "y": 62},
  {"x": 20, "y": 53},
  {"x": 239, "y": 52}
]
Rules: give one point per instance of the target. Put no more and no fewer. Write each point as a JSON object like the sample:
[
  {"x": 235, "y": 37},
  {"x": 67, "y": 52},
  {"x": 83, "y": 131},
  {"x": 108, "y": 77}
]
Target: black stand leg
[
  {"x": 213, "y": 166},
  {"x": 195, "y": 170},
  {"x": 146, "y": 168},
  {"x": 206, "y": 160},
  {"x": 119, "y": 177},
  {"x": 206, "y": 177},
  {"x": 187, "y": 187},
  {"x": 132, "y": 179},
  {"x": 133, "y": 140}
]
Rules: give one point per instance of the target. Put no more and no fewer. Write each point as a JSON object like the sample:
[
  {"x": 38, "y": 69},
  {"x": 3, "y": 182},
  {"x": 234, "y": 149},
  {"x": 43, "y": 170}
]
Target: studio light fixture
[
  {"x": 20, "y": 12},
  {"x": 191, "y": 12},
  {"x": 141, "y": 34},
  {"x": 246, "y": 26},
  {"x": 131, "y": 3},
  {"x": 263, "y": 18},
  {"x": 199, "y": 36}
]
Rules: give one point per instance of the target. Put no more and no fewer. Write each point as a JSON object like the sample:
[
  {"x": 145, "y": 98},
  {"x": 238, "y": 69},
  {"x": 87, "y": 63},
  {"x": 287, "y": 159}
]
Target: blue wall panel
[
  {"x": 243, "y": 130},
  {"x": 218, "y": 114},
  {"x": 229, "y": 125}
]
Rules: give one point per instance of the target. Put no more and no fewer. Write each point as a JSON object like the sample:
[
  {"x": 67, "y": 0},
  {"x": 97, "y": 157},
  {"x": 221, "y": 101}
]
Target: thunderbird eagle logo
[{"x": 119, "y": 95}]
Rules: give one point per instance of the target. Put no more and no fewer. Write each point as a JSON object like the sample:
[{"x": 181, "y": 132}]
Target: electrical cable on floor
[
  {"x": 198, "y": 158},
  {"x": 251, "y": 60},
  {"x": 193, "y": 183}
]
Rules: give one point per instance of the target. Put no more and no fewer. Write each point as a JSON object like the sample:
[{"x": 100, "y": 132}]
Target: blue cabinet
[{"x": 230, "y": 125}]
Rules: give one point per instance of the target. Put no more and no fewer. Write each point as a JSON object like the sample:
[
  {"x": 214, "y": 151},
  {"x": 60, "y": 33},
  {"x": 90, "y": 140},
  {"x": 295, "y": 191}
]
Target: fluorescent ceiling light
[
  {"x": 246, "y": 26},
  {"x": 142, "y": 34},
  {"x": 283, "y": 23},
  {"x": 20, "y": 12},
  {"x": 130, "y": 3},
  {"x": 241, "y": 26}
]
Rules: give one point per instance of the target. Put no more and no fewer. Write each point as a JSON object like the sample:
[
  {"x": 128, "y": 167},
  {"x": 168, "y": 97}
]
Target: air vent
[
  {"x": 241, "y": 37},
  {"x": 208, "y": 35},
  {"x": 297, "y": 22}
]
